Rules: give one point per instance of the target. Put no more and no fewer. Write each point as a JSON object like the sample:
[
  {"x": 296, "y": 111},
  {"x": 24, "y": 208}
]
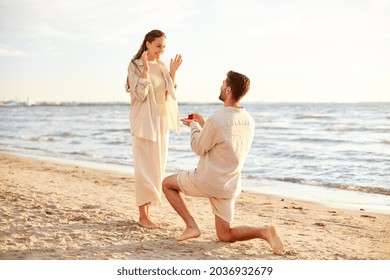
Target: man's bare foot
[
  {"x": 274, "y": 241},
  {"x": 146, "y": 223},
  {"x": 189, "y": 233}
]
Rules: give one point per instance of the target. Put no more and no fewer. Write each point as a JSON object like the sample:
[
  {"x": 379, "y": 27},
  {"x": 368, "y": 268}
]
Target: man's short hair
[{"x": 239, "y": 84}]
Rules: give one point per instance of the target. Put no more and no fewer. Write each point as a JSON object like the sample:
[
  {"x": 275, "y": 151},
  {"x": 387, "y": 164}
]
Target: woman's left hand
[{"x": 175, "y": 63}]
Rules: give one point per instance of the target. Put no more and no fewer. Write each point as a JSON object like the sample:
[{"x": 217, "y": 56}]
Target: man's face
[{"x": 222, "y": 96}]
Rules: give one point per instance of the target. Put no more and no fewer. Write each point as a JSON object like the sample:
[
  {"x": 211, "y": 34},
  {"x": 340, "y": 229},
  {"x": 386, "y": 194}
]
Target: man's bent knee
[{"x": 170, "y": 182}]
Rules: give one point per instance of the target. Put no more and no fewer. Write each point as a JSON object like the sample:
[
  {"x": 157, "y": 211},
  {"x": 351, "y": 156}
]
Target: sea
[{"x": 333, "y": 154}]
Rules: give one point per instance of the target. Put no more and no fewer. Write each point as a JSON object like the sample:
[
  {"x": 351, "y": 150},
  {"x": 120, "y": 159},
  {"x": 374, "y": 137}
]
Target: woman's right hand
[{"x": 144, "y": 58}]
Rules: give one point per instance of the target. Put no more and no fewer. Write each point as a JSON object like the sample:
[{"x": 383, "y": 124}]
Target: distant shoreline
[{"x": 11, "y": 103}]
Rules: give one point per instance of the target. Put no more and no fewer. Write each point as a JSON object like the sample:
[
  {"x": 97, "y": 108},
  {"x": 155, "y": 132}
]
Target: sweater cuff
[{"x": 195, "y": 125}]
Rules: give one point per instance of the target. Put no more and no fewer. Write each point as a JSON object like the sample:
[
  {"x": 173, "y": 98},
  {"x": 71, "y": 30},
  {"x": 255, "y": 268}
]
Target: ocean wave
[
  {"x": 126, "y": 130},
  {"x": 321, "y": 140},
  {"x": 7, "y": 136},
  {"x": 314, "y": 117},
  {"x": 342, "y": 126},
  {"x": 273, "y": 128},
  {"x": 248, "y": 177},
  {"x": 116, "y": 142},
  {"x": 365, "y": 189},
  {"x": 78, "y": 154},
  {"x": 288, "y": 180},
  {"x": 375, "y": 129},
  {"x": 66, "y": 135},
  {"x": 340, "y": 129},
  {"x": 37, "y": 139}
]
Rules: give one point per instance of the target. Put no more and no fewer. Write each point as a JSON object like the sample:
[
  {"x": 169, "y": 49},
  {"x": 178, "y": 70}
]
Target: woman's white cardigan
[{"x": 144, "y": 120}]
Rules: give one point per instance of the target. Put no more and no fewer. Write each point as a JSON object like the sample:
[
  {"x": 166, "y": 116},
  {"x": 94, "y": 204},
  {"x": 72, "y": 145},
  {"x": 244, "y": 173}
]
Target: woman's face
[{"x": 156, "y": 48}]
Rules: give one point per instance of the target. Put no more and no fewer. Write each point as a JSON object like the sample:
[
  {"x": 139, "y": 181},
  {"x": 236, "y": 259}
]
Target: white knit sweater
[{"x": 223, "y": 145}]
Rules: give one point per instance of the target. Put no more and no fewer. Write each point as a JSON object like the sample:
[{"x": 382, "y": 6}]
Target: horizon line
[{"x": 11, "y": 103}]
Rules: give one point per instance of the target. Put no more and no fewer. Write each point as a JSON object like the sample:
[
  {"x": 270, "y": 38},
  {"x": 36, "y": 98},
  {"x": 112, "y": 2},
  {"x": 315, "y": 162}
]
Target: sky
[{"x": 292, "y": 51}]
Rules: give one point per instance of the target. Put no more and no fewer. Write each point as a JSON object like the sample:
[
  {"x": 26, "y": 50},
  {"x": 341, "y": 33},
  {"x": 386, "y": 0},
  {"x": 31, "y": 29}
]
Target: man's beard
[{"x": 221, "y": 97}]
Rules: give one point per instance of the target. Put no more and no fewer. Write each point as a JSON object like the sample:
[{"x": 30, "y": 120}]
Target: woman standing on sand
[{"x": 154, "y": 111}]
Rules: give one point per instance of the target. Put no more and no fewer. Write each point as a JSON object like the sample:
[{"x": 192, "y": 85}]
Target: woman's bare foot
[
  {"x": 144, "y": 218},
  {"x": 189, "y": 233},
  {"x": 274, "y": 241},
  {"x": 146, "y": 223}
]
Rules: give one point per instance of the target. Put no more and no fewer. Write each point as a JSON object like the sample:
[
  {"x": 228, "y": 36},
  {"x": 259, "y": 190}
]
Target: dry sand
[{"x": 56, "y": 211}]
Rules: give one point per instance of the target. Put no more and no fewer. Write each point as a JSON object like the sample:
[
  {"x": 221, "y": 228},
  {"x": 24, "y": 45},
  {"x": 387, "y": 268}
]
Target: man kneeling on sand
[{"x": 222, "y": 143}]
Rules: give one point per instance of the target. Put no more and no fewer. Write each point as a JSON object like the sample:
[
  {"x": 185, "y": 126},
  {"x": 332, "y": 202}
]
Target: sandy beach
[{"x": 57, "y": 211}]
